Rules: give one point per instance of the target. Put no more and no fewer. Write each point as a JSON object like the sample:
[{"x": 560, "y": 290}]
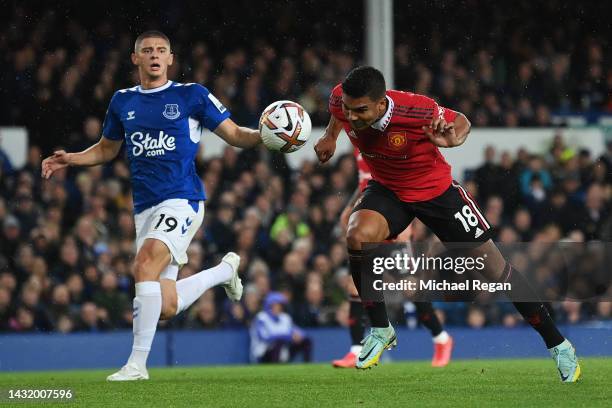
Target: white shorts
[{"x": 174, "y": 222}]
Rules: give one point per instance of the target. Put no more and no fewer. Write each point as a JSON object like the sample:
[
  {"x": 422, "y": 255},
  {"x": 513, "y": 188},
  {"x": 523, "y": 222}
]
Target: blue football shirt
[{"x": 162, "y": 129}]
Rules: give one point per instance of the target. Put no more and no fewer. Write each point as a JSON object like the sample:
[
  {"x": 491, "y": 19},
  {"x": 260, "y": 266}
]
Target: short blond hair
[{"x": 150, "y": 34}]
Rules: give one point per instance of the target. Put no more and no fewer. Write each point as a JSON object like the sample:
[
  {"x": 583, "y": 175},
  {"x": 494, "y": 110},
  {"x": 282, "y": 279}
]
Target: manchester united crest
[{"x": 397, "y": 140}]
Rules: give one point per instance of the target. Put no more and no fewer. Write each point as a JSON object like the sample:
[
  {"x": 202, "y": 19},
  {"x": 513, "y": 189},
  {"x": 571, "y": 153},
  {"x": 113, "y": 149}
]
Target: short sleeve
[
  {"x": 449, "y": 115},
  {"x": 208, "y": 109},
  {"x": 112, "y": 128},
  {"x": 430, "y": 108},
  {"x": 335, "y": 103}
]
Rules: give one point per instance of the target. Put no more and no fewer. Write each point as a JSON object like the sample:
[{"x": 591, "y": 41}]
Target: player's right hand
[
  {"x": 59, "y": 160},
  {"x": 325, "y": 148}
]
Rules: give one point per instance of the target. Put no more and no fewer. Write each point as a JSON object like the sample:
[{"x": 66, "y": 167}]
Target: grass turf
[{"x": 512, "y": 383}]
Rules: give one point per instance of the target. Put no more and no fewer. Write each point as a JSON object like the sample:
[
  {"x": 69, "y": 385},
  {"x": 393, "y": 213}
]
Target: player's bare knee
[
  {"x": 357, "y": 235},
  {"x": 142, "y": 267},
  {"x": 363, "y": 232},
  {"x": 150, "y": 260}
]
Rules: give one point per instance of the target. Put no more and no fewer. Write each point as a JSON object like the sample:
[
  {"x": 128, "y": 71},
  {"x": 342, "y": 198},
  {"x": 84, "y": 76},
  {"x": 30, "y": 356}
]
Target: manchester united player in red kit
[
  {"x": 442, "y": 341},
  {"x": 398, "y": 134}
]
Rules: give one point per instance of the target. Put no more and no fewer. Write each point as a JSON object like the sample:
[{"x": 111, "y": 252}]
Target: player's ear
[
  {"x": 171, "y": 59},
  {"x": 134, "y": 58}
]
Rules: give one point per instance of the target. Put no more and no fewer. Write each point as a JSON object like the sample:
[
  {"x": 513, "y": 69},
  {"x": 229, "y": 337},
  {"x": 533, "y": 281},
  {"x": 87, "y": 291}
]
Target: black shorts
[{"x": 453, "y": 216}]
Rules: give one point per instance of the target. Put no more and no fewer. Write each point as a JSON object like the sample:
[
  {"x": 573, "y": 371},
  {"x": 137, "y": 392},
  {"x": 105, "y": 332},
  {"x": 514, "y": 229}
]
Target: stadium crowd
[
  {"x": 66, "y": 244},
  {"x": 513, "y": 69}
]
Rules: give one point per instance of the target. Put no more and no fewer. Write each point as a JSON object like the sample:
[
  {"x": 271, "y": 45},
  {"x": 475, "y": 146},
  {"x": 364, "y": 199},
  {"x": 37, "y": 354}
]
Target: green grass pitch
[{"x": 496, "y": 383}]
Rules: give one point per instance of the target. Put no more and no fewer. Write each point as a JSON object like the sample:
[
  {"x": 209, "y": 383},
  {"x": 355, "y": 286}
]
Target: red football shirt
[{"x": 395, "y": 148}]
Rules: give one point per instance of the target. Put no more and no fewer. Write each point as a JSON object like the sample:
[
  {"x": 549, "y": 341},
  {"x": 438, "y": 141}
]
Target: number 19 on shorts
[{"x": 170, "y": 223}]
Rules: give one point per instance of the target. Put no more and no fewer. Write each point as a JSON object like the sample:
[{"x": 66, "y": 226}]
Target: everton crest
[{"x": 171, "y": 111}]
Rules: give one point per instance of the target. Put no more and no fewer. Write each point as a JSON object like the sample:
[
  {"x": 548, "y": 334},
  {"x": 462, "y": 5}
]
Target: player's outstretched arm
[
  {"x": 444, "y": 134},
  {"x": 103, "y": 151},
  {"x": 237, "y": 136},
  {"x": 326, "y": 145}
]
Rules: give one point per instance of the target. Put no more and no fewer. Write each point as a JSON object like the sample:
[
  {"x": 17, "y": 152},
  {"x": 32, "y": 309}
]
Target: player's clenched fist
[
  {"x": 325, "y": 148},
  {"x": 59, "y": 160}
]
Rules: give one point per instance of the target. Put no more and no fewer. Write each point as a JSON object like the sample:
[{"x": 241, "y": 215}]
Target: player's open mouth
[
  {"x": 155, "y": 66},
  {"x": 358, "y": 124}
]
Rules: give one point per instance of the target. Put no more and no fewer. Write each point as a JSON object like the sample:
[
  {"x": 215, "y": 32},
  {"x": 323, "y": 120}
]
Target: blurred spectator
[
  {"x": 489, "y": 176},
  {"x": 522, "y": 224},
  {"x": 33, "y": 308},
  {"x": 235, "y": 315},
  {"x": 203, "y": 315},
  {"x": 220, "y": 230},
  {"x": 64, "y": 324},
  {"x": 588, "y": 218},
  {"x": 476, "y": 318},
  {"x": 91, "y": 319},
  {"x": 5, "y": 308},
  {"x": 290, "y": 222},
  {"x": 110, "y": 300},
  {"x": 571, "y": 312},
  {"x": 310, "y": 313},
  {"x": 23, "y": 320},
  {"x": 542, "y": 177},
  {"x": 69, "y": 260},
  {"x": 60, "y": 304},
  {"x": 274, "y": 337},
  {"x": 11, "y": 232},
  {"x": 6, "y": 167},
  {"x": 74, "y": 283},
  {"x": 604, "y": 310}
]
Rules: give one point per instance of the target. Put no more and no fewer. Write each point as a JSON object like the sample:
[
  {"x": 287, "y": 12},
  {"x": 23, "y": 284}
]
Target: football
[{"x": 284, "y": 126}]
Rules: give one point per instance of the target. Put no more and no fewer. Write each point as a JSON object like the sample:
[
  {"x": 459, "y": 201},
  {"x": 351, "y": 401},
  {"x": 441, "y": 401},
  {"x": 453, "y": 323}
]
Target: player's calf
[
  {"x": 494, "y": 267},
  {"x": 169, "y": 299}
]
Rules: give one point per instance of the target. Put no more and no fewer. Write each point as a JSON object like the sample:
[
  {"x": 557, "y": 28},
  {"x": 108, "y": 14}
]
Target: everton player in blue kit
[{"x": 161, "y": 122}]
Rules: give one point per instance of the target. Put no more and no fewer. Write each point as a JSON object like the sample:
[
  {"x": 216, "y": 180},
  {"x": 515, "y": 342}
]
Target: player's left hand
[
  {"x": 59, "y": 160},
  {"x": 441, "y": 133}
]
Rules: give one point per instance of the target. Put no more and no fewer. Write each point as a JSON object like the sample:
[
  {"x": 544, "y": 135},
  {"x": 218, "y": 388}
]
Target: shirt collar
[
  {"x": 382, "y": 123},
  {"x": 152, "y": 90}
]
